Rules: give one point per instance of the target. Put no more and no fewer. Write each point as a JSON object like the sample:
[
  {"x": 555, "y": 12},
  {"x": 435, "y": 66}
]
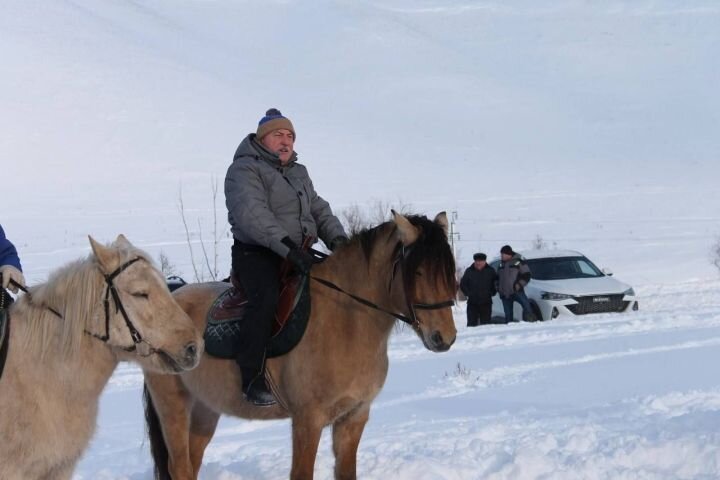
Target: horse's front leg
[
  {"x": 347, "y": 431},
  {"x": 172, "y": 404},
  {"x": 203, "y": 422},
  {"x": 306, "y": 431}
]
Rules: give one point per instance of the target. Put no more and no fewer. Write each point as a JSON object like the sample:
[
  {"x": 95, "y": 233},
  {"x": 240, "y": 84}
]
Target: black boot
[{"x": 255, "y": 388}]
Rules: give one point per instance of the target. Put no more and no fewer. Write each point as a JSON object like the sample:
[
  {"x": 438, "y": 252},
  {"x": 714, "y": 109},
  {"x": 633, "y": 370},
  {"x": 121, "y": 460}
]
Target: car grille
[{"x": 598, "y": 304}]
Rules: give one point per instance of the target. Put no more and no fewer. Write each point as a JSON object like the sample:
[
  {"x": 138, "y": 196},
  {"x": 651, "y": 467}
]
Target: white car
[{"x": 565, "y": 282}]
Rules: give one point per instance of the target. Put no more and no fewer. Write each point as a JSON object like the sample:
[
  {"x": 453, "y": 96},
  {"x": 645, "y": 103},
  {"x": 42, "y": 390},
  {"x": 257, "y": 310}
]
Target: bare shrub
[
  {"x": 539, "y": 243},
  {"x": 715, "y": 253},
  {"x": 359, "y": 217},
  {"x": 167, "y": 268},
  {"x": 462, "y": 374},
  {"x": 205, "y": 268},
  {"x": 353, "y": 218}
]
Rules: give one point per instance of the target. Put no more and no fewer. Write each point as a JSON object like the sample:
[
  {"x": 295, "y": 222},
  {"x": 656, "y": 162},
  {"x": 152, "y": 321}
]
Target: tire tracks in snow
[{"x": 465, "y": 380}]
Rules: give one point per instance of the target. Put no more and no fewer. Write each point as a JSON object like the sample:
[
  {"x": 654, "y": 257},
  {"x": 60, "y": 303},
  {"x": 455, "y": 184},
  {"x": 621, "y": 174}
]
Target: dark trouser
[
  {"x": 478, "y": 314},
  {"x": 257, "y": 269},
  {"x": 522, "y": 299}
]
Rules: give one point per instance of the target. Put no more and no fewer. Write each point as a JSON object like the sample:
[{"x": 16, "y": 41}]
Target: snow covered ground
[
  {"x": 591, "y": 124},
  {"x": 606, "y": 396}
]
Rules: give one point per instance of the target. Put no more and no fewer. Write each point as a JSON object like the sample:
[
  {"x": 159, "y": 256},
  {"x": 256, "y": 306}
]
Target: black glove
[
  {"x": 338, "y": 241},
  {"x": 302, "y": 260},
  {"x": 287, "y": 241}
]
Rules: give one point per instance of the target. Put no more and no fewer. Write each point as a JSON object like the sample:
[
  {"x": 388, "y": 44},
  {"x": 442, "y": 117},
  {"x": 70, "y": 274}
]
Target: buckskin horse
[
  {"x": 65, "y": 339},
  {"x": 404, "y": 268}
]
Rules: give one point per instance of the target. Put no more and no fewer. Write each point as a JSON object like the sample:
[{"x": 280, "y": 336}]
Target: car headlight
[
  {"x": 554, "y": 296},
  {"x": 630, "y": 292}
]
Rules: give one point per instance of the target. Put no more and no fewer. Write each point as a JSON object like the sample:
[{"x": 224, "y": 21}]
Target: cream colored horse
[
  {"x": 66, "y": 338},
  {"x": 338, "y": 368}
]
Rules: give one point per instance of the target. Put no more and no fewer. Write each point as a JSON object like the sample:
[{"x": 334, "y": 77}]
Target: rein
[
  {"x": 143, "y": 347},
  {"x": 412, "y": 320}
]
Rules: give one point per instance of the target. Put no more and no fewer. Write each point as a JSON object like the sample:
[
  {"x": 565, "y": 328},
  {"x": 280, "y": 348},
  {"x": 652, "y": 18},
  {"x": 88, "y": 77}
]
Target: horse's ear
[
  {"x": 122, "y": 241},
  {"x": 104, "y": 255},
  {"x": 407, "y": 231},
  {"x": 442, "y": 220}
]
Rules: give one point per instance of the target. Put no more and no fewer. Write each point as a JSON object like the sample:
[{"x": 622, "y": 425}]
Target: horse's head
[
  {"x": 428, "y": 272},
  {"x": 141, "y": 320}
]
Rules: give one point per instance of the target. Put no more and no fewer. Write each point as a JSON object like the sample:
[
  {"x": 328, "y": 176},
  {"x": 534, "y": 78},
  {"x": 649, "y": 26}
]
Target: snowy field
[
  {"x": 607, "y": 396},
  {"x": 593, "y": 125}
]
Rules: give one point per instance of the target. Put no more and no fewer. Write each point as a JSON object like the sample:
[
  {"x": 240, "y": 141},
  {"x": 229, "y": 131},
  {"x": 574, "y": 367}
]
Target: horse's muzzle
[
  {"x": 438, "y": 344},
  {"x": 186, "y": 360},
  {"x": 191, "y": 354}
]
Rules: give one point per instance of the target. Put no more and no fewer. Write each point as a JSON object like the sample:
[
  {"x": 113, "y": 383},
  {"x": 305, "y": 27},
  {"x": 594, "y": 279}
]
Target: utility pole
[{"x": 453, "y": 233}]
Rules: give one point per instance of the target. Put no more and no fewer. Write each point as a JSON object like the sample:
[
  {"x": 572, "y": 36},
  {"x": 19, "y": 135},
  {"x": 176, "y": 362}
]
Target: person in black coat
[{"x": 478, "y": 283}]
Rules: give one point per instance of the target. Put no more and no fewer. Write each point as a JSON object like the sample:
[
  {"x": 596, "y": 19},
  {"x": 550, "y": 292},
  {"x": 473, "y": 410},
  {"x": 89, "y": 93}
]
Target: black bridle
[
  {"x": 142, "y": 346},
  {"x": 412, "y": 306}
]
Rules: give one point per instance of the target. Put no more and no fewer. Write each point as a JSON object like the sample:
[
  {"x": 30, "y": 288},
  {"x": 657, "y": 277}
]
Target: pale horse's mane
[{"x": 75, "y": 291}]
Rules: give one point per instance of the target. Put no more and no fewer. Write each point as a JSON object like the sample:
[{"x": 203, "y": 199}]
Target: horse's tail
[{"x": 158, "y": 448}]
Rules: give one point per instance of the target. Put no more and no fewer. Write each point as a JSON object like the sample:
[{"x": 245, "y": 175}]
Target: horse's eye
[{"x": 141, "y": 295}]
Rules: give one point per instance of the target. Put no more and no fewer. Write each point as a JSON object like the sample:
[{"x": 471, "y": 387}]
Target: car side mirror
[{"x": 607, "y": 272}]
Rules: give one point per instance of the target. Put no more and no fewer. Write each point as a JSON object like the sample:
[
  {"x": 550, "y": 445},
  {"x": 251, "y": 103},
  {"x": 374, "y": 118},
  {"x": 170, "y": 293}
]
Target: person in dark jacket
[
  {"x": 478, "y": 284},
  {"x": 272, "y": 209},
  {"x": 10, "y": 268},
  {"x": 513, "y": 276}
]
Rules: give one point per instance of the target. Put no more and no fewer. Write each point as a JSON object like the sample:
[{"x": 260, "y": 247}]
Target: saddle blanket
[{"x": 225, "y": 324}]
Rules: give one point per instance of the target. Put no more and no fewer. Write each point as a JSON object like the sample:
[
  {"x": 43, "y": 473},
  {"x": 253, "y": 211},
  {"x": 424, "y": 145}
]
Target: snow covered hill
[
  {"x": 604, "y": 114},
  {"x": 151, "y": 92}
]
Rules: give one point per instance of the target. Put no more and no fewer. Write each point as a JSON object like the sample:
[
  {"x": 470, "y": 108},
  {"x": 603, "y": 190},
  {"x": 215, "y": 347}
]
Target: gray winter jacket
[
  {"x": 267, "y": 202},
  {"x": 513, "y": 272}
]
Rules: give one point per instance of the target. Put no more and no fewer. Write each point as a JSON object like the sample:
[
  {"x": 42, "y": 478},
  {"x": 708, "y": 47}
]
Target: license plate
[{"x": 601, "y": 299}]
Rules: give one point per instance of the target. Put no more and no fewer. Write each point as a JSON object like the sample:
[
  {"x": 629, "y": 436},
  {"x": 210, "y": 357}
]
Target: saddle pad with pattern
[{"x": 225, "y": 329}]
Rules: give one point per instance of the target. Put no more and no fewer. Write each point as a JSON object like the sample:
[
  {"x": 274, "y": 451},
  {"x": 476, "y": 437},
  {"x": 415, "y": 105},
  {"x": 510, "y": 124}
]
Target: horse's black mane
[{"x": 431, "y": 249}]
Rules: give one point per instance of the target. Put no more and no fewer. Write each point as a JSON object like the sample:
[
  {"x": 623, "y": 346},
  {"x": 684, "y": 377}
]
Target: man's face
[
  {"x": 480, "y": 264},
  {"x": 281, "y": 143},
  {"x": 505, "y": 257}
]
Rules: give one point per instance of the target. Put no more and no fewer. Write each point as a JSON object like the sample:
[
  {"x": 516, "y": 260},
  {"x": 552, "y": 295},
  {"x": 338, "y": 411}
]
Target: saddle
[{"x": 225, "y": 317}]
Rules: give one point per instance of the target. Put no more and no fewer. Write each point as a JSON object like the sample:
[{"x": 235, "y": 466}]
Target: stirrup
[{"x": 258, "y": 393}]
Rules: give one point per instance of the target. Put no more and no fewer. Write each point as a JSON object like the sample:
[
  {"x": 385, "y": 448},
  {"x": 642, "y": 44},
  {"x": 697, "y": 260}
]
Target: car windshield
[{"x": 562, "y": 268}]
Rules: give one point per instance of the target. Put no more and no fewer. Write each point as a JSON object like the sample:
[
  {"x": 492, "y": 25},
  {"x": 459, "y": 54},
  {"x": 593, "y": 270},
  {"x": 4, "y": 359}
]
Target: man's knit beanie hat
[
  {"x": 507, "y": 250},
  {"x": 273, "y": 120}
]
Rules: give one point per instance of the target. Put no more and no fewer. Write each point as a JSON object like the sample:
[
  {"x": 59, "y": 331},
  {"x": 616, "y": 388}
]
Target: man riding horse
[{"x": 273, "y": 211}]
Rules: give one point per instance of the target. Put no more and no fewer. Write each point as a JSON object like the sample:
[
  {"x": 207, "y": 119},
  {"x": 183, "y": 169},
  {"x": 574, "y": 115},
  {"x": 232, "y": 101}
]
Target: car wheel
[{"x": 536, "y": 311}]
